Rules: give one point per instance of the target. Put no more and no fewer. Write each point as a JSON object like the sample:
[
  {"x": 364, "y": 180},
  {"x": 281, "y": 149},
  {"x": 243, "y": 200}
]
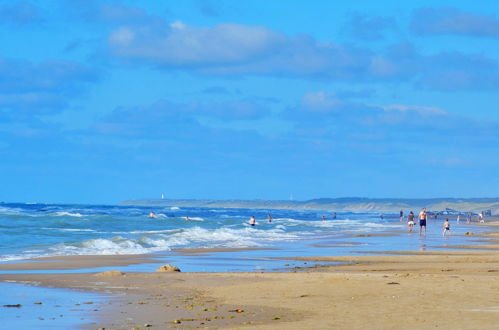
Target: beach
[{"x": 447, "y": 288}]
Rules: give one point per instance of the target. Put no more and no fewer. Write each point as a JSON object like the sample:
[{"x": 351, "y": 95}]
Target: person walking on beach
[
  {"x": 410, "y": 220},
  {"x": 422, "y": 221},
  {"x": 252, "y": 221},
  {"x": 401, "y": 215},
  {"x": 446, "y": 227}
]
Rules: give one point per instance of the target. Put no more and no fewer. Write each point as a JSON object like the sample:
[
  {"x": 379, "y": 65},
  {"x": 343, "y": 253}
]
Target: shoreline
[{"x": 357, "y": 291}]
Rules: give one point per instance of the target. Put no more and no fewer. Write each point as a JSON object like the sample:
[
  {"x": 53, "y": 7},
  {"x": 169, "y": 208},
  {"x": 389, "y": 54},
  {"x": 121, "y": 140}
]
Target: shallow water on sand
[{"x": 43, "y": 308}]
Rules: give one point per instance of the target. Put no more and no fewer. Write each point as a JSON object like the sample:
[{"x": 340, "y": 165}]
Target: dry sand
[{"x": 403, "y": 290}]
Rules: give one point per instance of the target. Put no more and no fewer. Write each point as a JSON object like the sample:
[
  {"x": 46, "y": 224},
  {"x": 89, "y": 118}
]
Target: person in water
[
  {"x": 410, "y": 220},
  {"x": 401, "y": 215},
  {"x": 269, "y": 217},
  {"x": 422, "y": 221},
  {"x": 187, "y": 219},
  {"x": 446, "y": 227},
  {"x": 152, "y": 215},
  {"x": 323, "y": 218},
  {"x": 252, "y": 221},
  {"x": 334, "y": 215}
]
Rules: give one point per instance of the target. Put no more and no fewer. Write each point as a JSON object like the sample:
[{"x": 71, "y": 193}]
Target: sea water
[{"x": 40, "y": 230}]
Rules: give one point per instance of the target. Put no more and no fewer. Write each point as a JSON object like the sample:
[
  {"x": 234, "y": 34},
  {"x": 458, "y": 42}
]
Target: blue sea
[
  {"x": 29, "y": 231},
  {"x": 40, "y": 230}
]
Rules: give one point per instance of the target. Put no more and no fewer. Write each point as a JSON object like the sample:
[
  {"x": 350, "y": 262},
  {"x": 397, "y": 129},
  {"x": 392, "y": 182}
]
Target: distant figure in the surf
[
  {"x": 187, "y": 219},
  {"x": 480, "y": 217},
  {"x": 446, "y": 227},
  {"x": 323, "y": 218},
  {"x": 401, "y": 215},
  {"x": 269, "y": 217},
  {"x": 152, "y": 215},
  {"x": 381, "y": 216},
  {"x": 334, "y": 215},
  {"x": 422, "y": 221},
  {"x": 252, "y": 221},
  {"x": 410, "y": 220},
  {"x": 458, "y": 218},
  {"x": 468, "y": 218}
]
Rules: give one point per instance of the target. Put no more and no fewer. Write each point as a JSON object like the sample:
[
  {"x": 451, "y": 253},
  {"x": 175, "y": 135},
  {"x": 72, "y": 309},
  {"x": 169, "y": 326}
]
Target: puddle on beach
[{"x": 45, "y": 308}]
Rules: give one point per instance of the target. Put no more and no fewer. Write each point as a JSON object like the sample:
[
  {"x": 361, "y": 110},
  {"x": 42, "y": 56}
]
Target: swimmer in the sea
[
  {"x": 187, "y": 219},
  {"x": 269, "y": 217},
  {"x": 152, "y": 215},
  {"x": 252, "y": 221}
]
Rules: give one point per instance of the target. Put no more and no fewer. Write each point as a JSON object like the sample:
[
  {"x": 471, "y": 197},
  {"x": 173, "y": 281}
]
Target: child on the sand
[{"x": 446, "y": 227}]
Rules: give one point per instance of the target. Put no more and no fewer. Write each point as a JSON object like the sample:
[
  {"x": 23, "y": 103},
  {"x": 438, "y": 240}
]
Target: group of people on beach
[{"x": 423, "y": 218}]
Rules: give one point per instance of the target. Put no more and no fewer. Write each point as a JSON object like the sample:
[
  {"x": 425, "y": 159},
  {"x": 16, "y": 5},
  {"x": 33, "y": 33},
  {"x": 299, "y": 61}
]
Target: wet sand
[{"x": 401, "y": 290}]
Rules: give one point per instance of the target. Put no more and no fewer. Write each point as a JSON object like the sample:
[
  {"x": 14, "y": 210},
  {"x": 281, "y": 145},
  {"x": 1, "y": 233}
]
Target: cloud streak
[
  {"x": 40, "y": 88},
  {"x": 452, "y": 21},
  {"x": 236, "y": 50}
]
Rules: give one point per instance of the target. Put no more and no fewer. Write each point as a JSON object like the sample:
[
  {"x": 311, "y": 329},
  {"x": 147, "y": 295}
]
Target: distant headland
[{"x": 350, "y": 204}]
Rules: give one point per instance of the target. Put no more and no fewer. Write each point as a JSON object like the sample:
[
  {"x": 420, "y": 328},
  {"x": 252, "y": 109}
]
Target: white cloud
[{"x": 321, "y": 101}]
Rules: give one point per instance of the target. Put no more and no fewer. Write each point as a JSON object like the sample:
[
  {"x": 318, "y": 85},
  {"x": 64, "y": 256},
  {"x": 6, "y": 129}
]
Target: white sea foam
[
  {"x": 174, "y": 208},
  {"x": 69, "y": 229},
  {"x": 68, "y": 214},
  {"x": 153, "y": 241}
]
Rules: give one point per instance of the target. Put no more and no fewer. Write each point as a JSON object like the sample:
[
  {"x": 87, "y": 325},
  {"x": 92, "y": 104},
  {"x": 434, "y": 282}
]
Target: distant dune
[{"x": 351, "y": 204}]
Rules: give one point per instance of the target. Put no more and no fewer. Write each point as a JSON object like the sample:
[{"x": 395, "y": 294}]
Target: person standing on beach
[
  {"x": 468, "y": 218},
  {"x": 401, "y": 215},
  {"x": 410, "y": 220},
  {"x": 422, "y": 221},
  {"x": 252, "y": 221},
  {"x": 446, "y": 227}
]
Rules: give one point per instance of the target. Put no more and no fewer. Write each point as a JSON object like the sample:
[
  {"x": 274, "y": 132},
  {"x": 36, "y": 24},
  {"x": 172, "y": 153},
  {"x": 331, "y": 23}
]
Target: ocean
[
  {"x": 41, "y": 230},
  {"x": 29, "y": 231}
]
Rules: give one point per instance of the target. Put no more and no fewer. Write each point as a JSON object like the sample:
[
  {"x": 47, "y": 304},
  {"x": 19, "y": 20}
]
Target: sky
[{"x": 105, "y": 101}]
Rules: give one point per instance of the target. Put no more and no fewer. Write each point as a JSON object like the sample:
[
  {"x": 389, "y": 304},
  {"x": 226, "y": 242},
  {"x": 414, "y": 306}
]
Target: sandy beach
[{"x": 456, "y": 289}]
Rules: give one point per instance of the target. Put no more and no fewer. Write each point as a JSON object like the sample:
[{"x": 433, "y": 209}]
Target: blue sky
[{"x": 102, "y": 101}]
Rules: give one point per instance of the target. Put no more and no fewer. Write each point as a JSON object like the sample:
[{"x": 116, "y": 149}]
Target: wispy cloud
[
  {"x": 453, "y": 21},
  {"x": 20, "y": 14},
  {"x": 37, "y": 88},
  {"x": 369, "y": 28}
]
